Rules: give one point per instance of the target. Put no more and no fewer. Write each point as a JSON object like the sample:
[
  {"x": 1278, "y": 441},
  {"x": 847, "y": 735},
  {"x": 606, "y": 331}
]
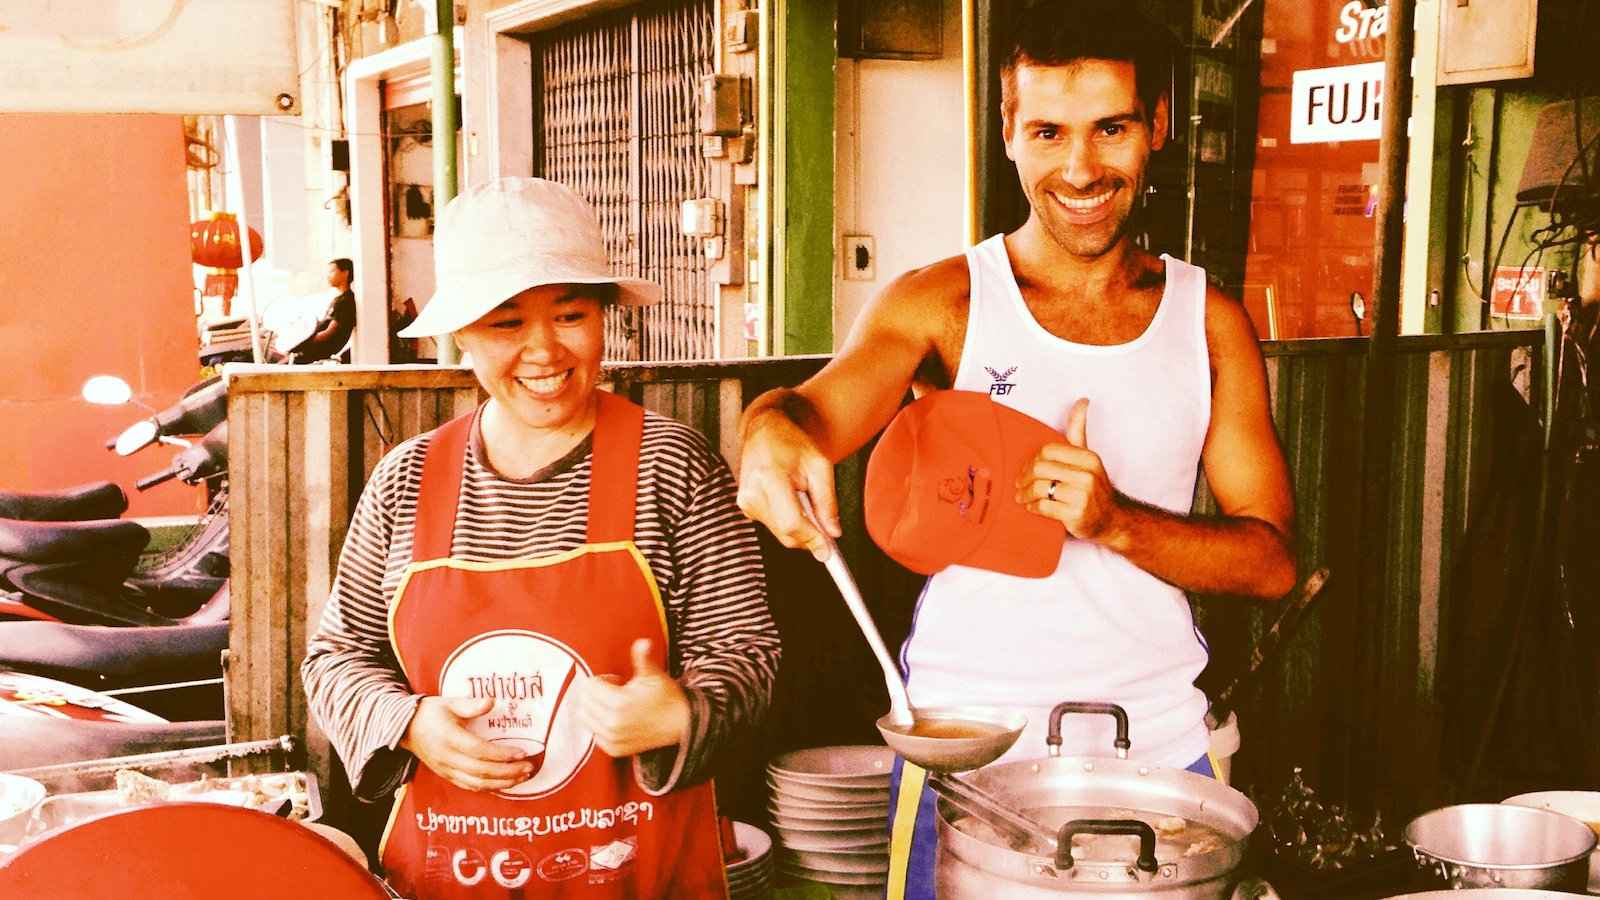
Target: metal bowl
[
  {"x": 1581, "y": 805},
  {"x": 18, "y": 798},
  {"x": 872, "y": 861},
  {"x": 1485, "y": 894},
  {"x": 941, "y": 754},
  {"x": 1492, "y": 845},
  {"x": 834, "y": 817},
  {"x": 786, "y": 823},
  {"x": 877, "y": 839},
  {"x": 845, "y": 766},
  {"x": 824, "y": 796}
]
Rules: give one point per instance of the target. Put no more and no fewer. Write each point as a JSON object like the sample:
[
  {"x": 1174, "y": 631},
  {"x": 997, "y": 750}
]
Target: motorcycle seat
[
  {"x": 96, "y": 500},
  {"x": 85, "y": 654},
  {"x": 56, "y": 542}
]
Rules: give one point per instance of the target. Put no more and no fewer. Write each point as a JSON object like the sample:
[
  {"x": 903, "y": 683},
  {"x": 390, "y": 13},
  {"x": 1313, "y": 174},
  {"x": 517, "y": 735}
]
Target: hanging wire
[
  {"x": 384, "y": 430},
  {"x": 1570, "y": 224}
]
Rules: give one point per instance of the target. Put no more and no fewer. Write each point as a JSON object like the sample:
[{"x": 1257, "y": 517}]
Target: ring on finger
[{"x": 1051, "y": 494}]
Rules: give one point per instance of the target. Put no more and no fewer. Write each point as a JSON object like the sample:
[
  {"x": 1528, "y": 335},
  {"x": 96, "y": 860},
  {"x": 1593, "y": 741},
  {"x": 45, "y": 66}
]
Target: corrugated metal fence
[
  {"x": 1352, "y": 699},
  {"x": 619, "y": 123}
]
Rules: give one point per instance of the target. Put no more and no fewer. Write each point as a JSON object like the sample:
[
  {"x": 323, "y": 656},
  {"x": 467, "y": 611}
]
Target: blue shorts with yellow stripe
[{"x": 914, "y": 835}]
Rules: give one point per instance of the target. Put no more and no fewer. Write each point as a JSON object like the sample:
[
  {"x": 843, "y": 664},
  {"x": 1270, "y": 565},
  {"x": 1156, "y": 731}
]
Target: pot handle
[
  {"x": 1094, "y": 709},
  {"x": 1131, "y": 827}
]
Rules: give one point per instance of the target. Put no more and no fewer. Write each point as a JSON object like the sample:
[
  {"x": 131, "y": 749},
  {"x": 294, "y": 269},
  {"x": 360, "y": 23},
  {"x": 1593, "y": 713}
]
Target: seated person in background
[{"x": 337, "y": 323}]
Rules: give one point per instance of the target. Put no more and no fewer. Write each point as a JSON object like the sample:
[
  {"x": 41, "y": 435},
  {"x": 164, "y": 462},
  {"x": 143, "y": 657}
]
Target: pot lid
[{"x": 184, "y": 851}]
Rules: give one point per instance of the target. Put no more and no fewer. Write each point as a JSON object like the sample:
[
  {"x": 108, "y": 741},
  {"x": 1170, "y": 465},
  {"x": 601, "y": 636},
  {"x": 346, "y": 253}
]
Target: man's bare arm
[
  {"x": 792, "y": 436},
  {"x": 1248, "y": 549}
]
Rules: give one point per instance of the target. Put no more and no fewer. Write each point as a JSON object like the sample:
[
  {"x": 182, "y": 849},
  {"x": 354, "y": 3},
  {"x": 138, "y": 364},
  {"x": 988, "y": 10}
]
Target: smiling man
[{"x": 1149, "y": 374}]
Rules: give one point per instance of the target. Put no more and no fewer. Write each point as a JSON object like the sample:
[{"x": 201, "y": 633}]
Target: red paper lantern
[{"x": 214, "y": 242}]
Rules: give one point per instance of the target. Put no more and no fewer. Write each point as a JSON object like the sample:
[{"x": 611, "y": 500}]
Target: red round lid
[{"x": 185, "y": 851}]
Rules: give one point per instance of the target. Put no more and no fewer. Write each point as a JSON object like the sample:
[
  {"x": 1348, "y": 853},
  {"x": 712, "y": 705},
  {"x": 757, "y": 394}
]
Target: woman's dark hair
[{"x": 1062, "y": 32}]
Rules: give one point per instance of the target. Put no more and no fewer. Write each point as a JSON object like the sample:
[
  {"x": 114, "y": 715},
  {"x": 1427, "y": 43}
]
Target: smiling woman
[
  {"x": 561, "y": 540},
  {"x": 538, "y": 356},
  {"x": 523, "y": 278}
]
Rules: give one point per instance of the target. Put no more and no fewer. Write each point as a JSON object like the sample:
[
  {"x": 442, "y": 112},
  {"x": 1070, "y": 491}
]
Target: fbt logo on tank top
[
  {"x": 527, "y": 675},
  {"x": 1002, "y": 381}
]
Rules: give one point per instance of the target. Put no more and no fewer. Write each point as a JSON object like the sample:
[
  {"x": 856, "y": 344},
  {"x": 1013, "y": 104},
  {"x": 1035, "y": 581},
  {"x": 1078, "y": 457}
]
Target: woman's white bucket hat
[{"x": 500, "y": 238}]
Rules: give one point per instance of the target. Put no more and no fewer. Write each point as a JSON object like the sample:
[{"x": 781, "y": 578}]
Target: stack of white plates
[
  {"x": 750, "y": 878},
  {"x": 830, "y": 809}
]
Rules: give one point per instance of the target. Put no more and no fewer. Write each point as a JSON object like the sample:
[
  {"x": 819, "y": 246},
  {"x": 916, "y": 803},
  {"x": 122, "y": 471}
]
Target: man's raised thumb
[
  {"x": 643, "y": 662},
  {"x": 470, "y": 707},
  {"x": 1078, "y": 423}
]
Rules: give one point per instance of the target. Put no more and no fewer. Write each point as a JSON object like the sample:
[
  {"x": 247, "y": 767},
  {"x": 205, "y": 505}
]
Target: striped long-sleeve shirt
[{"x": 703, "y": 552}]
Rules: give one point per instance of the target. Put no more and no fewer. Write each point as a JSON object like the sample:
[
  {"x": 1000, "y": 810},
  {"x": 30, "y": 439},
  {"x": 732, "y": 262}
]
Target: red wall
[{"x": 94, "y": 278}]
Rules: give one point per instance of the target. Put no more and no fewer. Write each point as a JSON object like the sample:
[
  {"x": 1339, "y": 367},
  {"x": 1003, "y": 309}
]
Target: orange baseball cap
[{"x": 940, "y": 488}]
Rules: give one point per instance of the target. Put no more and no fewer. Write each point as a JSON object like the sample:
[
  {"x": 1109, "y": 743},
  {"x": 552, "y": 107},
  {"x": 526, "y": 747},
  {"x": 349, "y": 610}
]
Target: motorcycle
[
  {"x": 94, "y": 500},
  {"x": 79, "y": 613},
  {"x": 83, "y": 572}
]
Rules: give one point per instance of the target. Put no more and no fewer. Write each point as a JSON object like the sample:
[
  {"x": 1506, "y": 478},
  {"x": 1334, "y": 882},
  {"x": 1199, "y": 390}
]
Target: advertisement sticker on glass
[{"x": 1518, "y": 292}]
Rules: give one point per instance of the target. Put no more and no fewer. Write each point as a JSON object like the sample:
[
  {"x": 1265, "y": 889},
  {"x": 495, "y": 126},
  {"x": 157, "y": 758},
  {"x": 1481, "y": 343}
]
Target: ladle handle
[
  {"x": 1021, "y": 832},
  {"x": 1132, "y": 827},
  {"x": 1122, "y": 744},
  {"x": 899, "y": 700}
]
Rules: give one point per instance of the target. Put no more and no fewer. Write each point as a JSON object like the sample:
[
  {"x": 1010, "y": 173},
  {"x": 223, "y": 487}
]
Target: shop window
[
  {"x": 1269, "y": 181},
  {"x": 1314, "y": 176}
]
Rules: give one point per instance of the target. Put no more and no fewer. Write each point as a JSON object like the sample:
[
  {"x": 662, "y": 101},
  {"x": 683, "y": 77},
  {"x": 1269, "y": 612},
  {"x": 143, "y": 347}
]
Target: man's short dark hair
[
  {"x": 346, "y": 266},
  {"x": 1062, "y": 32}
]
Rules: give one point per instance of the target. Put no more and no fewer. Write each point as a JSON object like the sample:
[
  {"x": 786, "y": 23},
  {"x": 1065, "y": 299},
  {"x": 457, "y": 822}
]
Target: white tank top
[{"x": 1099, "y": 628}]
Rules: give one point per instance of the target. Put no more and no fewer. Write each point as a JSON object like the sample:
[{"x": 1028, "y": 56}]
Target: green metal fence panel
[{"x": 1352, "y": 699}]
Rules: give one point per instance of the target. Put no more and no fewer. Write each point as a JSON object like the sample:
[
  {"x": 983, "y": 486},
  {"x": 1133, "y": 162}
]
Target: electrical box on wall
[
  {"x": 891, "y": 29},
  {"x": 1486, "y": 40},
  {"x": 723, "y": 105}
]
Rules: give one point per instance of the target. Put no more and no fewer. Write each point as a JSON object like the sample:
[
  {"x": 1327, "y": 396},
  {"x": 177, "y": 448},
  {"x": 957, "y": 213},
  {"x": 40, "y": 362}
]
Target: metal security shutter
[{"x": 618, "y": 123}]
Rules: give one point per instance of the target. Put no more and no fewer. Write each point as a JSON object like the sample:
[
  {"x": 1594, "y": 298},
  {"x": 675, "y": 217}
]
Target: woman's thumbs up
[{"x": 647, "y": 711}]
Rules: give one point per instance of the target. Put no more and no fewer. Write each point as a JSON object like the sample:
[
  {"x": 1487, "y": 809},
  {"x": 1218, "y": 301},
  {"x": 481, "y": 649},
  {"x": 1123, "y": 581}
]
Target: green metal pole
[
  {"x": 444, "y": 132},
  {"x": 806, "y": 55}
]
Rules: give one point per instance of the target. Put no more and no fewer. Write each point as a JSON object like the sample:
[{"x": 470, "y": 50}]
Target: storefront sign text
[
  {"x": 1358, "y": 22},
  {"x": 1342, "y": 103}
]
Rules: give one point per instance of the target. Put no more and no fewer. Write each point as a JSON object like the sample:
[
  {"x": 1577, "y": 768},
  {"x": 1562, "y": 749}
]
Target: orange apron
[{"x": 524, "y": 632}]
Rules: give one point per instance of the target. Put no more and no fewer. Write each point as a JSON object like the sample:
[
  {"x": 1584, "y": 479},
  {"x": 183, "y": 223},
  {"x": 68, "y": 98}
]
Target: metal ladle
[
  {"x": 899, "y": 700},
  {"x": 939, "y": 754}
]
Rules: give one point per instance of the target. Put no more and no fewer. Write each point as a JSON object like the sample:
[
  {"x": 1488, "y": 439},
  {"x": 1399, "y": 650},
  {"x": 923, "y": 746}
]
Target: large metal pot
[
  {"x": 1097, "y": 796},
  {"x": 1492, "y": 845}
]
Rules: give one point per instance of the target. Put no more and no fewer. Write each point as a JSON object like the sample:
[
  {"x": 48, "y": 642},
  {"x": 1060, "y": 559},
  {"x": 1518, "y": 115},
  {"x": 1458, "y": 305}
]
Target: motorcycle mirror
[
  {"x": 139, "y": 434},
  {"x": 107, "y": 390}
]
